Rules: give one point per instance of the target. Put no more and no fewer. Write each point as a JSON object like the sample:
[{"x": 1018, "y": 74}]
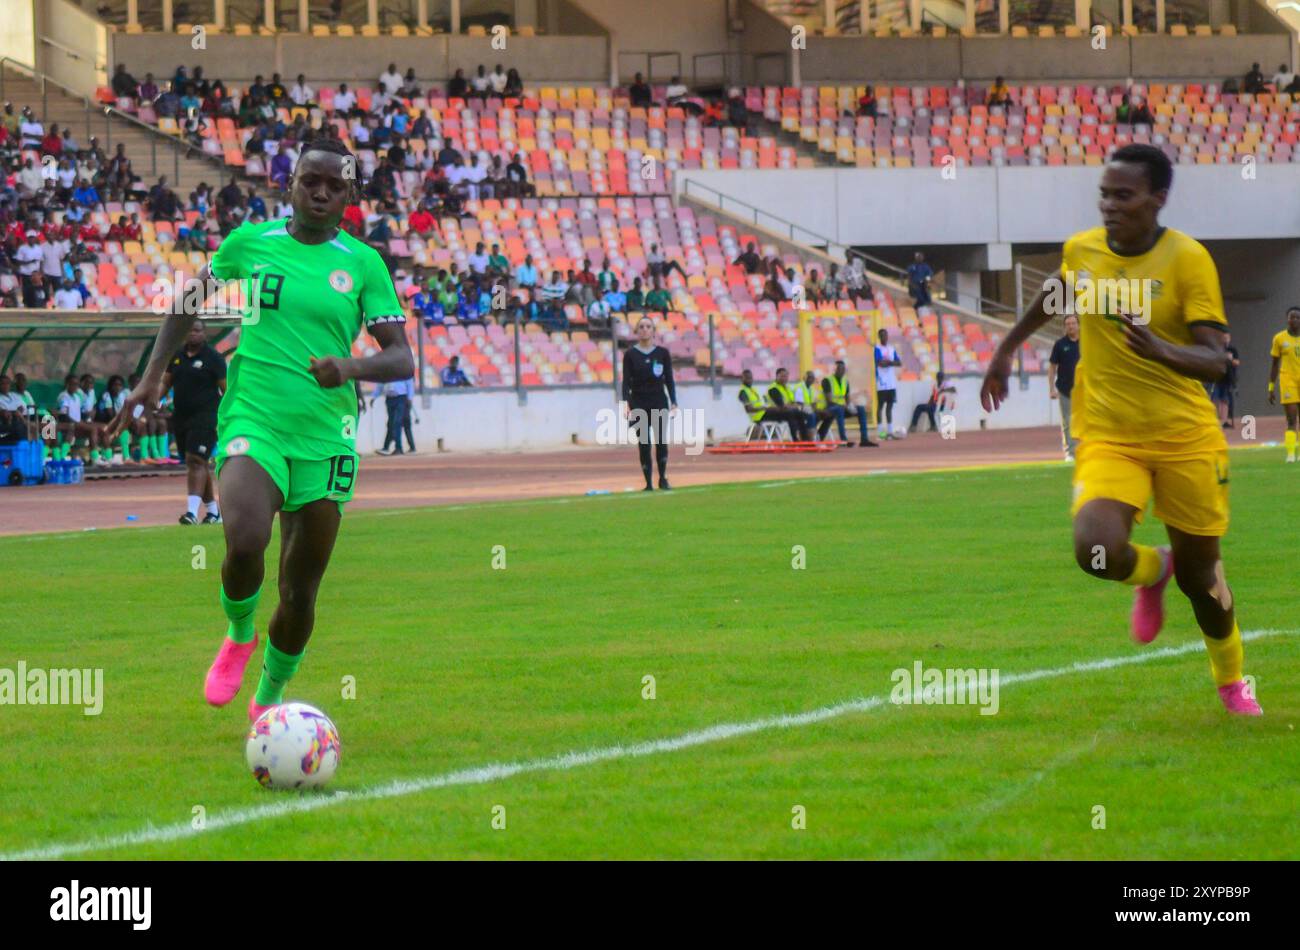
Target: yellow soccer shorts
[
  {"x": 1288, "y": 388},
  {"x": 1190, "y": 486}
]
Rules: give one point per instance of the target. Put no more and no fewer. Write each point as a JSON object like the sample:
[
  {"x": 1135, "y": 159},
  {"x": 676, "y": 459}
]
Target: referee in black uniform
[
  {"x": 650, "y": 394},
  {"x": 197, "y": 375}
]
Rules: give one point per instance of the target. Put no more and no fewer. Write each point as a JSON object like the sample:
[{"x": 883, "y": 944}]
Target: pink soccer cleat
[
  {"x": 227, "y": 671},
  {"x": 1149, "y": 602},
  {"x": 1237, "y": 698},
  {"x": 255, "y": 710}
]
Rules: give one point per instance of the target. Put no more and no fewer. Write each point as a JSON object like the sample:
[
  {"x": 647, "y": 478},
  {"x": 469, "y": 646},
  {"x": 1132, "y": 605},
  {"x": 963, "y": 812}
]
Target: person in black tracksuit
[{"x": 650, "y": 395}]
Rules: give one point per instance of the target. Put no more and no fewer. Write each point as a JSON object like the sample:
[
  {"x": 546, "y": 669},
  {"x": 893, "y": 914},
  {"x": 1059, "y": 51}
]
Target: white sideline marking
[{"x": 151, "y": 834}]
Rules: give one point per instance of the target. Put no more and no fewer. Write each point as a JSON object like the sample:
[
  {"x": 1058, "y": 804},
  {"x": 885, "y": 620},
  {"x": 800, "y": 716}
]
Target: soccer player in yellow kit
[
  {"x": 1152, "y": 331},
  {"x": 1284, "y": 377}
]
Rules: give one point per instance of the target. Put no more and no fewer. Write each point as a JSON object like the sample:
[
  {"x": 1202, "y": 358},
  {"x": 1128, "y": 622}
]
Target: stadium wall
[
  {"x": 686, "y": 27},
  {"x": 492, "y": 420},
  {"x": 895, "y": 59},
  {"x": 885, "y": 207},
  {"x": 324, "y": 59}
]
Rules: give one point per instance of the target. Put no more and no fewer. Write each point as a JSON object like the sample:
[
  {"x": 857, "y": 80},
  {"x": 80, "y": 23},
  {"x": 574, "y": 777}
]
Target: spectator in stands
[
  {"x": 749, "y": 259},
  {"x": 67, "y": 297},
  {"x": 526, "y": 274},
  {"x": 36, "y": 293},
  {"x": 1254, "y": 81},
  {"x": 498, "y": 266},
  {"x": 658, "y": 299},
  {"x": 453, "y": 376},
  {"x": 772, "y": 288},
  {"x": 480, "y": 85},
  {"x": 639, "y": 93},
  {"x": 659, "y": 266},
  {"x": 497, "y": 81},
  {"x": 281, "y": 170},
  {"x": 791, "y": 289},
  {"x": 1139, "y": 114},
  {"x": 162, "y": 202},
  {"x": 999, "y": 94},
  {"x": 30, "y": 131},
  {"x": 123, "y": 83},
  {"x": 52, "y": 143},
  {"x": 345, "y": 102},
  {"x": 867, "y": 103},
  {"x": 1282, "y": 78},
  {"x": 635, "y": 296},
  {"x": 814, "y": 287},
  {"x": 1294, "y": 86},
  {"x": 514, "y": 84},
  {"x": 588, "y": 285},
  {"x": 390, "y": 80},
  {"x": 517, "y": 176},
  {"x": 28, "y": 257},
  {"x": 606, "y": 277},
  {"x": 552, "y": 297},
  {"x": 448, "y": 156},
  {"x": 52, "y": 254},
  {"x": 478, "y": 261},
  {"x": 457, "y": 86},
  {"x": 422, "y": 221},
  {"x": 302, "y": 94},
  {"x": 738, "y": 112},
  {"x": 781, "y": 396},
  {"x": 614, "y": 299},
  {"x": 919, "y": 274},
  {"x": 940, "y": 395},
  {"x": 676, "y": 91}
]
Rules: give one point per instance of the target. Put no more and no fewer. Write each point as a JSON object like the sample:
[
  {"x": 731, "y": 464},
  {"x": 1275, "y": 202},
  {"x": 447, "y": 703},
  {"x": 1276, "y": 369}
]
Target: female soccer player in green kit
[{"x": 287, "y": 426}]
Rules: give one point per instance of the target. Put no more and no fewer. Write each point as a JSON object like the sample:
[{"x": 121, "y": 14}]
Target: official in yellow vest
[
  {"x": 810, "y": 399},
  {"x": 781, "y": 396},
  {"x": 836, "y": 388}
]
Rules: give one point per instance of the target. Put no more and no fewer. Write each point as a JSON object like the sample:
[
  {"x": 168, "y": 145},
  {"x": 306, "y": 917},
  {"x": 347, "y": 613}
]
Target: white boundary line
[{"x": 152, "y": 834}]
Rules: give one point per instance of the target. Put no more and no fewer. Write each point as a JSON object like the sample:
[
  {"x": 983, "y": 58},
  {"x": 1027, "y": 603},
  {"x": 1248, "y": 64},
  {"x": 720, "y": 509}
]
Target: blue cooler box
[{"x": 20, "y": 464}]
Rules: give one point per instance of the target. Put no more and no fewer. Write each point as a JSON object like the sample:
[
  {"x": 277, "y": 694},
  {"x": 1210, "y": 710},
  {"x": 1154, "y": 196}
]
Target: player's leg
[
  {"x": 252, "y": 497},
  {"x": 1111, "y": 490},
  {"x": 306, "y": 542},
  {"x": 639, "y": 427},
  {"x": 1292, "y": 411},
  {"x": 661, "y": 445},
  {"x": 1200, "y": 575}
]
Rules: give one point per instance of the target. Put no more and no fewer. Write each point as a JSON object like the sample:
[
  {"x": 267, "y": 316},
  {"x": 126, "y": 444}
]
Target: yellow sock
[
  {"x": 1147, "y": 568},
  {"x": 1226, "y": 657},
  {"x": 1289, "y": 439}
]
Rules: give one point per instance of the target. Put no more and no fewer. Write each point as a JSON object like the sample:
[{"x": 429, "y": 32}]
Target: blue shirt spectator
[
  {"x": 616, "y": 300},
  {"x": 452, "y": 375},
  {"x": 526, "y": 274}
]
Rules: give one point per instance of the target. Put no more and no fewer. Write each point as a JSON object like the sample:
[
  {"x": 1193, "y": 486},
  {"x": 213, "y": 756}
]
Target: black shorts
[
  {"x": 885, "y": 397},
  {"x": 195, "y": 435}
]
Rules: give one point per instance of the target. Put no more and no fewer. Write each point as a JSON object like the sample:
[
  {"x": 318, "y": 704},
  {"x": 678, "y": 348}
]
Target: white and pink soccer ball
[{"x": 292, "y": 745}]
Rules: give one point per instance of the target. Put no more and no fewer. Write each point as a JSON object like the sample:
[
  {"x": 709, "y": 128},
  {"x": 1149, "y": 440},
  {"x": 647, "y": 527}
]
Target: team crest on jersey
[
  {"x": 237, "y": 446},
  {"x": 341, "y": 281}
]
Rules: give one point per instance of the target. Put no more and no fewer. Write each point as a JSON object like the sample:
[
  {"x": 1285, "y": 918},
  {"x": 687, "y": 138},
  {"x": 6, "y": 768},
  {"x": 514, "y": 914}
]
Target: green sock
[
  {"x": 124, "y": 441},
  {"x": 278, "y": 668},
  {"x": 241, "y": 614},
  {"x": 157, "y": 446}
]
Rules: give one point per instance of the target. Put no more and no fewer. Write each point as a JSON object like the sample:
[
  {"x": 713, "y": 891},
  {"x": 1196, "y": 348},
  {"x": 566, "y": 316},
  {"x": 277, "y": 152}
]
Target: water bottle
[{"x": 78, "y": 470}]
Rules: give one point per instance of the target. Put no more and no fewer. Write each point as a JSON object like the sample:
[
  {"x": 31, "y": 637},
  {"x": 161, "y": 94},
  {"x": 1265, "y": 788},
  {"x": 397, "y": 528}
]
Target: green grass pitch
[{"x": 458, "y": 665}]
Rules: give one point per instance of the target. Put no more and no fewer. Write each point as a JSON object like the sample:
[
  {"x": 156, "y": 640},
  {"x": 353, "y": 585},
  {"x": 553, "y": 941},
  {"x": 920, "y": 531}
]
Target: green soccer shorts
[{"x": 304, "y": 470}]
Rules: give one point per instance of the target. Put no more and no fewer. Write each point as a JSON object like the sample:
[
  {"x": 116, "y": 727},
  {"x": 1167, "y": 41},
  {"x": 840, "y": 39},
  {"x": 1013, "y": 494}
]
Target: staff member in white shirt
[
  {"x": 887, "y": 363},
  {"x": 72, "y": 426}
]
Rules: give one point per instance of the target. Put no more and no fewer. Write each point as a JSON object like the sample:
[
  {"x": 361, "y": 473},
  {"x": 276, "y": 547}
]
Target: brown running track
[{"x": 454, "y": 478}]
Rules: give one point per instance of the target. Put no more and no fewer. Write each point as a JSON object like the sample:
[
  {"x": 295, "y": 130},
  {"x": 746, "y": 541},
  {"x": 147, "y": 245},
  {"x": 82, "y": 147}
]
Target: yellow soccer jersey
[
  {"x": 1120, "y": 396},
  {"x": 1286, "y": 349}
]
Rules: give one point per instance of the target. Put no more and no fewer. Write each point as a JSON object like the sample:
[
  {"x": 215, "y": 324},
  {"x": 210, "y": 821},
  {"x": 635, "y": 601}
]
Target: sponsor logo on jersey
[
  {"x": 237, "y": 446},
  {"x": 341, "y": 281}
]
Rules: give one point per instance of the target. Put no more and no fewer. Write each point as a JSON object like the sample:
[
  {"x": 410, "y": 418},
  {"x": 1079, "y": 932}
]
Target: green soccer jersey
[{"x": 305, "y": 300}]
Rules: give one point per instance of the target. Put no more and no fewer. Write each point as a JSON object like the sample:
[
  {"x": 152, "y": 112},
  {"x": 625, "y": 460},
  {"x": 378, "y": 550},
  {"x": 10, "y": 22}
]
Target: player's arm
[
  {"x": 1205, "y": 359},
  {"x": 995, "y": 387},
  {"x": 1273, "y": 370},
  {"x": 391, "y": 364}
]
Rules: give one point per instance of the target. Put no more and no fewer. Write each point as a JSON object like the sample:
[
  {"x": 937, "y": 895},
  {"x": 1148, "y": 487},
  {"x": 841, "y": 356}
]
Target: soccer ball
[
  {"x": 900, "y": 431},
  {"x": 292, "y": 746}
]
